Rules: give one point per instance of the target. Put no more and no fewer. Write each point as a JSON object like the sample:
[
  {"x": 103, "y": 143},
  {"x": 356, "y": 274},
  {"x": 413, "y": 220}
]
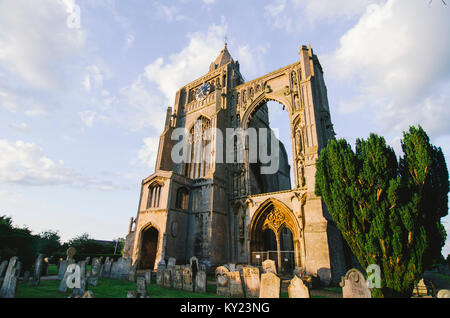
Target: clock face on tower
[{"x": 203, "y": 91}]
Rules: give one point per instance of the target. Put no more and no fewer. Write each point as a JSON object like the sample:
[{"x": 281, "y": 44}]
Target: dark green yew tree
[{"x": 388, "y": 211}]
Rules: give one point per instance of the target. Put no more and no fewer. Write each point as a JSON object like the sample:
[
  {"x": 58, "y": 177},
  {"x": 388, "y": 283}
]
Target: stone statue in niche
[
  {"x": 298, "y": 141},
  {"x": 300, "y": 173},
  {"x": 241, "y": 225}
]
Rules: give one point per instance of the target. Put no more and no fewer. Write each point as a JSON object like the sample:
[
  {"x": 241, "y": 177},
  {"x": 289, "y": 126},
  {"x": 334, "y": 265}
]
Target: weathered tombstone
[
  {"x": 354, "y": 285},
  {"x": 83, "y": 281},
  {"x": 172, "y": 262},
  {"x": 107, "y": 267},
  {"x": 95, "y": 271},
  {"x": 443, "y": 293},
  {"x": 148, "y": 277},
  {"x": 71, "y": 251},
  {"x": 200, "y": 282},
  {"x": 177, "y": 278},
  {"x": 297, "y": 289},
  {"x": 141, "y": 287},
  {"x": 9, "y": 285},
  {"x": 121, "y": 269},
  {"x": 132, "y": 274},
  {"x": 222, "y": 281},
  {"x": 251, "y": 281},
  {"x": 3, "y": 267},
  {"x": 26, "y": 277},
  {"x": 37, "y": 270},
  {"x": 188, "y": 283},
  {"x": 235, "y": 282},
  {"x": 420, "y": 289},
  {"x": 270, "y": 286},
  {"x": 167, "y": 278},
  {"x": 62, "y": 269},
  {"x": 269, "y": 266}
]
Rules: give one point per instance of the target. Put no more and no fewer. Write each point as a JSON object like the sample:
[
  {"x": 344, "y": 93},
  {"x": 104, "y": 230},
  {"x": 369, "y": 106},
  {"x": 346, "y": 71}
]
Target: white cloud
[
  {"x": 169, "y": 13},
  {"x": 401, "y": 66},
  {"x": 35, "y": 40},
  {"x": 87, "y": 117},
  {"x": 25, "y": 163},
  {"x": 209, "y": 1},
  {"x": 149, "y": 151},
  {"x": 293, "y": 15},
  {"x": 95, "y": 75},
  {"x": 20, "y": 127}
]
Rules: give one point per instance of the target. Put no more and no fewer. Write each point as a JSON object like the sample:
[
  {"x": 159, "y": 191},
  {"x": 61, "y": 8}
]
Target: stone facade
[{"x": 219, "y": 211}]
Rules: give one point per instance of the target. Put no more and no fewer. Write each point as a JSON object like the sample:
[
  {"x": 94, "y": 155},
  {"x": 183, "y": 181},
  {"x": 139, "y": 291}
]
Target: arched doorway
[
  {"x": 149, "y": 248},
  {"x": 273, "y": 233}
]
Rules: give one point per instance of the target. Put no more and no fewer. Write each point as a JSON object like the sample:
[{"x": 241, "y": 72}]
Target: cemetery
[{"x": 98, "y": 278}]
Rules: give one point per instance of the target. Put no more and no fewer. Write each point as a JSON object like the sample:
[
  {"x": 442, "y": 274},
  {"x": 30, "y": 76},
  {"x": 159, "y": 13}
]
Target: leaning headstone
[
  {"x": 62, "y": 269},
  {"x": 354, "y": 285},
  {"x": 148, "y": 277},
  {"x": 3, "y": 267},
  {"x": 236, "y": 289},
  {"x": 200, "y": 282},
  {"x": 26, "y": 277},
  {"x": 251, "y": 281},
  {"x": 9, "y": 285},
  {"x": 141, "y": 287},
  {"x": 167, "y": 278},
  {"x": 188, "y": 283},
  {"x": 95, "y": 271},
  {"x": 269, "y": 266},
  {"x": 38, "y": 270},
  {"x": 443, "y": 293},
  {"x": 177, "y": 278},
  {"x": 222, "y": 281},
  {"x": 297, "y": 289},
  {"x": 270, "y": 286}
]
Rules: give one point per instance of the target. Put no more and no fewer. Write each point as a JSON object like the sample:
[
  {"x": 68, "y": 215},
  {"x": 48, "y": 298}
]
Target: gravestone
[
  {"x": 200, "y": 282},
  {"x": 121, "y": 269},
  {"x": 172, "y": 262},
  {"x": 297, "y": 289},
  {"x": 270, "y": 286},
  {"x": 141, "y": 287},
  {"x": 235, "y": 282},
  {"x": 107, "y": 267},
  {"x": 26, "y": 277},
  {"x": 188, "y": 283},
  {"x": 62, "y": 269},
  {"x": 132, "y": 294},
  {"x": 3, "y": 267},
  {"x": 83, "y": 280},
  {"x": 177, "y": 278},
  {"x": 9, "y": 285},
  {"x": 148, "y": 277},
  {"x": 354, "y": 285},
  {"x": 269, "y": 266},
  {"x": 71, "y": 251},
  {"x": 132, "y": 274},
  {"x": 443, "y": 293},
  {"x": 38, "y": 265},
  {"x": 167, "y": 278},
  {"x": 222, "y": 281},
  {"x": 420, "y": 289},
  {"x": 251, "y": 281},
  {"x": 95, "y": 271},
  {"x": 160, "y": 277}
]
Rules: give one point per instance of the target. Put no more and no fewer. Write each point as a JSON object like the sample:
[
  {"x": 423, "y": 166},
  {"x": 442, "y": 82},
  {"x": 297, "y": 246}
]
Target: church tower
[{"x": 231, "y": 212}]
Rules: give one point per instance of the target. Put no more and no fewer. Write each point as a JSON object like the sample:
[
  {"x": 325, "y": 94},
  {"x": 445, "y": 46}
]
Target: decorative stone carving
[
  {"x": 222, "y": 281},
  {"x": 443, "y": 293}
]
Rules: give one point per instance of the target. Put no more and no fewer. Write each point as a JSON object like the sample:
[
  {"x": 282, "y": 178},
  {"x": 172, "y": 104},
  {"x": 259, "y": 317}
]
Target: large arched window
[
  {"x": 199, "y": 160},
  {"x": 154, "y": 194}
]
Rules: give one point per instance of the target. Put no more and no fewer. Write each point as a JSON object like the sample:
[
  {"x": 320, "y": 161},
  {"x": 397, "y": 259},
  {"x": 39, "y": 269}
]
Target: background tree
[
  {"x": 388, "y": 211},
  {"x": 49, "y": 243}
]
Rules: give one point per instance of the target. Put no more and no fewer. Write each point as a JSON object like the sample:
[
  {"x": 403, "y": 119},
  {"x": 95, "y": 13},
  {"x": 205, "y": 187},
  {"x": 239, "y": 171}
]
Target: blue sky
[{"x": 81, "y": 109}]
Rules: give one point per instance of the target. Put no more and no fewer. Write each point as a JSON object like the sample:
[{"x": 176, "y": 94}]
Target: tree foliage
[{"x": 388, "y": 211}]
